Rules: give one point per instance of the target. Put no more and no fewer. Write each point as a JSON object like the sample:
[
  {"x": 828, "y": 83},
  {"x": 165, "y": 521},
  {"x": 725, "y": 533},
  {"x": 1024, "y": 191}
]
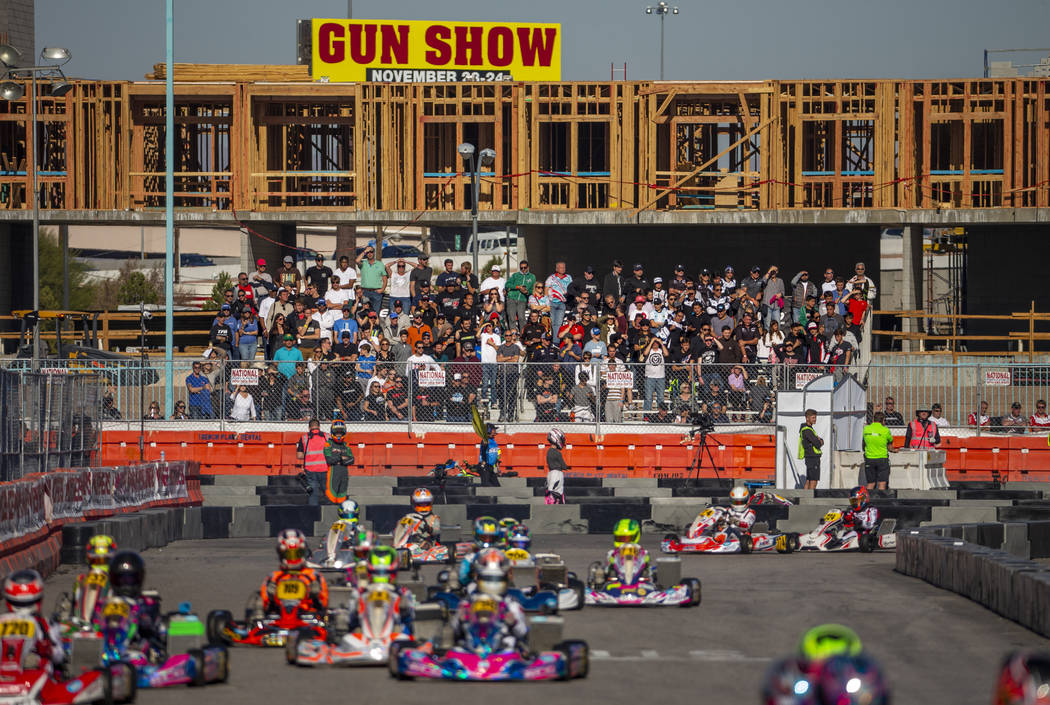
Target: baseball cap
[
  {"x": 596, "y": 331},
  {"x": 812, "y": 324},
  {"x": 344, "y": 334},
  {"x": 260, "y": 261},
  {"x": 679, "y": 268},
  {"x": 321, "y": 302},
  {"x": 658, "y": 280},
  {"x": 729, "y": 268},
  {"x": 588, "y": 269},
  {"x": 721, "y": 307},
  {"x": 319, "y": 256},
  {"x": 756, "y": 268},
  {"x": 637, "y": 266},
  {"x": 224, "y": 307},
  {"x": 398, "y": 304},
  {"x": 457, "y": 376},
  {"x": 705, "y": 271},
  {"x": 496, "y": 268},
  {"x": 289, "y": 336},
  {"x": 288, "y": 259}
]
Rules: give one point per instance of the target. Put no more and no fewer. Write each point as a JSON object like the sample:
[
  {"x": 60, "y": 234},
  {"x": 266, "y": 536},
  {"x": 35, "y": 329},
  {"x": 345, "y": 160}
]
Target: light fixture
[
  {"x": 9, "y": 55},
  {"x": 466, "y": 150},
  {"x": 487, "y": 157},
  {"x": 11, "y": 91},
  {"x": 56, "y": 54},
  {"x": 59, "y": 88},
  {"x": 649, "y": 10}
]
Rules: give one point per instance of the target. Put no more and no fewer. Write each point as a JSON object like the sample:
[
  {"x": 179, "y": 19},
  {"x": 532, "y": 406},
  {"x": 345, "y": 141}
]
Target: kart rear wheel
[
  {"x": 746, "y": 543},
  {"x": 127, "y": 676},
  {"x": 794, "y": 541},
  {"x": 575, "y": 645},
  {"x": 578, "y": 587},
  {"x": 197, "y": 657},
  {"x": 391, "y": 662},
  {"x": 695, "y": 592},
  {"x": 216, "y": 624}
]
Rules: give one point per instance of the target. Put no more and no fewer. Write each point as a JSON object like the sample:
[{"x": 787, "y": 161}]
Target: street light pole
[
  {"x": 662, "y": 9},
  {"x": 36, "y": 233},
  {"x": 662, "y": 15}
]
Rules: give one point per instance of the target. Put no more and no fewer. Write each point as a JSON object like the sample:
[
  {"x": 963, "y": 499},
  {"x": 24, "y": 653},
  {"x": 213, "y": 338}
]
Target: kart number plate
[
  {"x": 628, "y": 552},
  {"x": 291, "y": 590},
  {"x": 517, "y": 554},
  {"x": 378, "y": 596},
  {"x": 17, "y": 627},
  {"x": 407, "y": 521},
  {"x": 116, "y": 608},
  {"x": 98, "y": 579}
]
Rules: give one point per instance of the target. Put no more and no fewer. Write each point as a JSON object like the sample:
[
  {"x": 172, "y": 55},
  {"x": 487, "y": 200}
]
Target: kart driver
[
  {"x": 861, "y": 516},
  {"x": 25, "y": 631},
  {"x": 292, "y": 551},
  {"x": 357, "y": 572},
  {"x": 627, "y": 532},
  {"x": 490, "y": 604},
  {"x": 127, "y": 573},
  {"x": 100, "y": 549},
  {"x": 428, "y": 530},
  {"x": 800, "y": 680},
  {"x": 347, "y": 530},
  {"x": 738, "y": 516},
  {"x": 486, "y": 535},
  {"x": 382, "y": 566},
  {"x": 506, "y": 525}
]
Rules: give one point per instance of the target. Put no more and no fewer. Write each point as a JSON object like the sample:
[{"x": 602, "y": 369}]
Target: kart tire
[
  {"x": 224, "y": 672},
  {"x": 866, "y": 543},
  {"x": 547, "y": 609},
  {"x": 391, "y": 662},
  {"x": 566, "y": 647},
  {"x": 794, "y": 541},
  {"x": 746, "y": 543},
  {"x": 197, "y": 656},
  {"x": 580, "y": 589},
  {"x": 695, "y": 592},
  {"x": 108, "y": 696},
  {"x": 215, "y": 627}
]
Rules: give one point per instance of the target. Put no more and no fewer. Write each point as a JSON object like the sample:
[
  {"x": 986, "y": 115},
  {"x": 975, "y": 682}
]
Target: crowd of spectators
[{"x": 354, "y": 340}]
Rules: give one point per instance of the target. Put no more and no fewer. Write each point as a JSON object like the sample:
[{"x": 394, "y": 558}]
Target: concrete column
[
  {"x": 278, "y": 240},
  {"x": 911, "y": 280}
]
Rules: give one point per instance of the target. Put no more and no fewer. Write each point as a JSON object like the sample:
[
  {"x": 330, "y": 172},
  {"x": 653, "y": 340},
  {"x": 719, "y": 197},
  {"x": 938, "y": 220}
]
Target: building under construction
[{"x": 701, "y": 172}]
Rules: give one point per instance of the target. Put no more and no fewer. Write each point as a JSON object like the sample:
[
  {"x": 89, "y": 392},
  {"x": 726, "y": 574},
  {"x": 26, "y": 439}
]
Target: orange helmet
[
  {"x": 422, "y": 501},
  {"x": 291, "y": 549}
]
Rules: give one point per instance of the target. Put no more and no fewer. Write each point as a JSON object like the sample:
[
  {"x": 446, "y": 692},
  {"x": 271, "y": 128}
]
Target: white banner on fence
[
  {"x": 249, "y": 377},
  {"x": 804, "y": 378},
  {"x": 431, "y": 377},
  {"x": 997, "y": 378},
  {"x": 619, "y": 379}
]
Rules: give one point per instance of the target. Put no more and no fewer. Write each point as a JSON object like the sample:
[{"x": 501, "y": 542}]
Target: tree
[
  {"x": 136, "y": 287},
  {"x": 81, "y": 290},
  {"x": 218, "y": 292}
]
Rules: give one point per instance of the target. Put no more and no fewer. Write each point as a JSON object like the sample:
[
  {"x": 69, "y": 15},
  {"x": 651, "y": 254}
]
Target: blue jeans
[
  {"x": 375, "y": 298},
  {"x": 316, "y": 481},
  {"x": 557, "y": 313},
  {"x": 247, "y": 350},
  {"x": 406, "y": 303},
  {"x": 772, "y": 314},
  {"x": 489, "y": 373},
  {"x": 653, "y": 385},
  {"x": 796, "y": 315}
]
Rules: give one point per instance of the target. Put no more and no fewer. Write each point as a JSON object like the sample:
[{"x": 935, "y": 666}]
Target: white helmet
[
  {"x": 349, "y": 509},
  {"x": 556, "y": 437},
  {"x": 739, "y": 496}
]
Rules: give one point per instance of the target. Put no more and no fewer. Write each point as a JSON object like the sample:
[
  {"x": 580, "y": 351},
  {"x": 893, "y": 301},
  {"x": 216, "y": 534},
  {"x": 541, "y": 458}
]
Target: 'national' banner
[{"x": 413, "y": 51}]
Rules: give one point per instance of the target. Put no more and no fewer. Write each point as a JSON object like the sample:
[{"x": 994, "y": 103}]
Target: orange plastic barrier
[{"x": 751, "y": 456}]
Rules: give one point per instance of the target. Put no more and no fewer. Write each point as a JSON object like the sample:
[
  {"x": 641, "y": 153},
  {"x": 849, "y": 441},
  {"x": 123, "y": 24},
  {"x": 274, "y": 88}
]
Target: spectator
[
  {"x": 828, "y": 285},
  {"x": 349, "y": 395},
  {"x": 519, "y": 287},
  {"x": 373, "y": 407},
  {"x": 979, "y": 419},
  {"x": 840, "y": 296},
  {"x": 587, "y": 284},
  {"x": 754, "y": 283},
  {"x": 856, "y": 312},
  {"x": 248, "y": 335},
  {"x": 261, "y": 281},
  {"x": 373, "y": 277},
  {"x": 508, "y": 354},
  {"x": 935, "y": 416},
  {"x": 546, "y": 402},
  {"x": 492, "y": 308},
  {"x": 199, "y": 388},
  {"x": 922, "y": 433},
  {"x": 1039, "y": 421},
  {"x": 635, "y": 285},
  {"x": 153, "y": 412},
  {"x": 347, "y": 324},
  {"x": 281, "y": 307},
  {"x": 366, "y": 361},
  {"x": 893, "y": 417},
  {"x": 557, "y": 287},
  {"x": 417, "y": 329},
  {"x": 832, "y": 322},
  {"x": 730, "y": 352},
  {"x": 319, "y": 275},
  {"x": 337, "y": 295},
  {"x": 400, "y": 278},
  {"x": 494, "y": 284},
  {"x": 1015, "y": 421},
  {"x": 460, "y": 398},
  {"x": 420, "y": 275},
  {"x": 346, "y": 275},
  {"x": 737, "y": 383},
  {"x": 684, "y": 405},
  {"x": 595, "y": 345},
  {"x": 222, "y": 335},
  {"x": 801, "y": 289},
  {"x": 490, "y": 342},
  {"x": 718, "y": 413},
  {"x": 614, "y": 394},
  {"x": 866, "y": 284},
  {"x": 243, "y": 405},
  {"x": 180, "y": 411},
  {"x": 449, "y": 300},
  {"x": 772, "y": 295},
  {"x": 721, "y": 321},
  {"x": 397, "y": 402},
  {"x": 540, "y": 303},
  {"x": 729, "y": 283},
  {"x": 747, "y": 335},
  {"x": 662, "y": 415},
  {"x": 583, "y": 399},
  {"x": 288, "y": 356},
  {"x": 448, "y": 276},
  {"x": 270, "y": 391},
  {"x": 841, "y": 353},
  {"x": 289, "y": 277},
  {"x": 297, "y": 405},
  {"x": 770, "y": 348},
  {"x": 612, "y": 285},
  {"x": 467, "y": 280},
  {"x": 654, "y": 355}
]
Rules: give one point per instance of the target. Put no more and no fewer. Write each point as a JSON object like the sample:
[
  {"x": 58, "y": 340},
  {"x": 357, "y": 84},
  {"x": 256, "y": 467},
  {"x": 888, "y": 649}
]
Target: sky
[{"x": 752, "y": 40}]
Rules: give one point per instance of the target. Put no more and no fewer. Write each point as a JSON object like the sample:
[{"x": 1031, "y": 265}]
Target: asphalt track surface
[{"x": 935, "y": 646}]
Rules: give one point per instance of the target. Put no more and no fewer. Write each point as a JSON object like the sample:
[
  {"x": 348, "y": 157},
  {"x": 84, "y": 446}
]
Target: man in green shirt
[
  {"x": 519, "y": 287},
  {"x": 373, "y": 277},
  {"x": 878, "y": 443}
]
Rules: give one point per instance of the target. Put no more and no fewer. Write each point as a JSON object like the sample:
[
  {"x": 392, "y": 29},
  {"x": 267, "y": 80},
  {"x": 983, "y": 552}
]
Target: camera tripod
[{"x": 698, "y": 462}]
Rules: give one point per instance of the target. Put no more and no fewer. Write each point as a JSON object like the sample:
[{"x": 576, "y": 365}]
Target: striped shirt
[{"x": 557, "y": 286}]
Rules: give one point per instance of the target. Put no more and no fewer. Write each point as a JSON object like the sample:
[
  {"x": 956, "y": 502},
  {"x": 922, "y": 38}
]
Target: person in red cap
[{"x": 261, "y": 280}]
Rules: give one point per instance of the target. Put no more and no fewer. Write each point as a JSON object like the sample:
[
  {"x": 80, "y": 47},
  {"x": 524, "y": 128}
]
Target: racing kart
[
  {"x": 712, "y": 533},
  {"x": 118, "y": 641},
  {"x": 481, "y": 656},
  {"x": 628, "y": 587},
  {"x": 834, "y": 535},
  {"x": 406, "y": 537},
  {"x": 77, "y": 613},
  {"x": 337, "y": 543},
  {"x": 272, "y": 629},
  {"x": 368, "y": 644}
]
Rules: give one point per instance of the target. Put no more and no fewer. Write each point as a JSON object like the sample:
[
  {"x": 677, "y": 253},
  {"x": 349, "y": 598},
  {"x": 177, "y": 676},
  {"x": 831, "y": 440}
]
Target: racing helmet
[
  {"x": 520, "y": 538},
  {"x": 626, "y": 531},
  {"x": 291, "y": 549},
  {"x": 24, "y": 591},
  {"x": 486, "y": 531},
  {"x": 556, "y": 437},
  {"x": 851, "y": 680},
  {"x": 827, "y": 640},
  {"x": 422, "y": 501},
  {"x": 338, "y": 431},
  {"x": 127, "y": 572},
  {"x": 787, "y": 684},
  {"x": 739, "y": 497},
  {"x": 858, "y": 497},
  {"x": 366, "y": 539},
  {"x": 506, "y": 525},
  {"x": 382, "y": 565},
  {"x": 349, "y": 509},
  {"x": 491, "y": 570},
  {"x": 1024, "y": 679},
  {"x": 100, "y": 548}
]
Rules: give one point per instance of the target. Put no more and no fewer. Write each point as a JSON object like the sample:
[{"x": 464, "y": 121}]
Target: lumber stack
[{"x": 233, "y": 72}]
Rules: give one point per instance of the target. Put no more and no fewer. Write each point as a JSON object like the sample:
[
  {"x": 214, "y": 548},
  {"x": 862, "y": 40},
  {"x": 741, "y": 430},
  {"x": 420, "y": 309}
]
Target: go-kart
[
  {"x": 25, "y": 679},
  {"x": 273, "y": 629},
  {"x": 339, "y": 544},
  {"x": 833, "y": 535},
  {"x": 481, "y": 656},
  {"x": 77, "y": 613},
  {"x": 377, "y": 627},
  {"x": 118, "y": 641},
  {"x": 627, "y": 586},
  {"x": 712, "y": 532},
  {"x": 407, "y": 536}
]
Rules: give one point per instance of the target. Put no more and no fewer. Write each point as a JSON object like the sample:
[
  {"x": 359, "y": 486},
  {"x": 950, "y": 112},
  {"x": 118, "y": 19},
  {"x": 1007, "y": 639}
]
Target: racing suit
[
  {"x": 347, "y": 535},
  {"x": 73, "y": 601},
  {"x": 514, "y": 627},
  {"x": 316, "y": 599},
  {"x": 406, "y": 612},
  {"x": 26, "y": 633},
  {"x": 738, "y": 520},
  {"x": 465, "y": 572},
  {"x": 429, "y": 529},
  {"x": 646, "y": 573},
  {"x": 860, "y": 520}
]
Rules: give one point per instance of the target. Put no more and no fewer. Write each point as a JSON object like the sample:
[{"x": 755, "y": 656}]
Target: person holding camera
[
  {"x": 311, "y": 451},
  {"x": 772, "y": 295}
]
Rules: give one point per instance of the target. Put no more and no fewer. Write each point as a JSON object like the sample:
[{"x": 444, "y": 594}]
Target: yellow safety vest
[{"x": 801, "y": 449}]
